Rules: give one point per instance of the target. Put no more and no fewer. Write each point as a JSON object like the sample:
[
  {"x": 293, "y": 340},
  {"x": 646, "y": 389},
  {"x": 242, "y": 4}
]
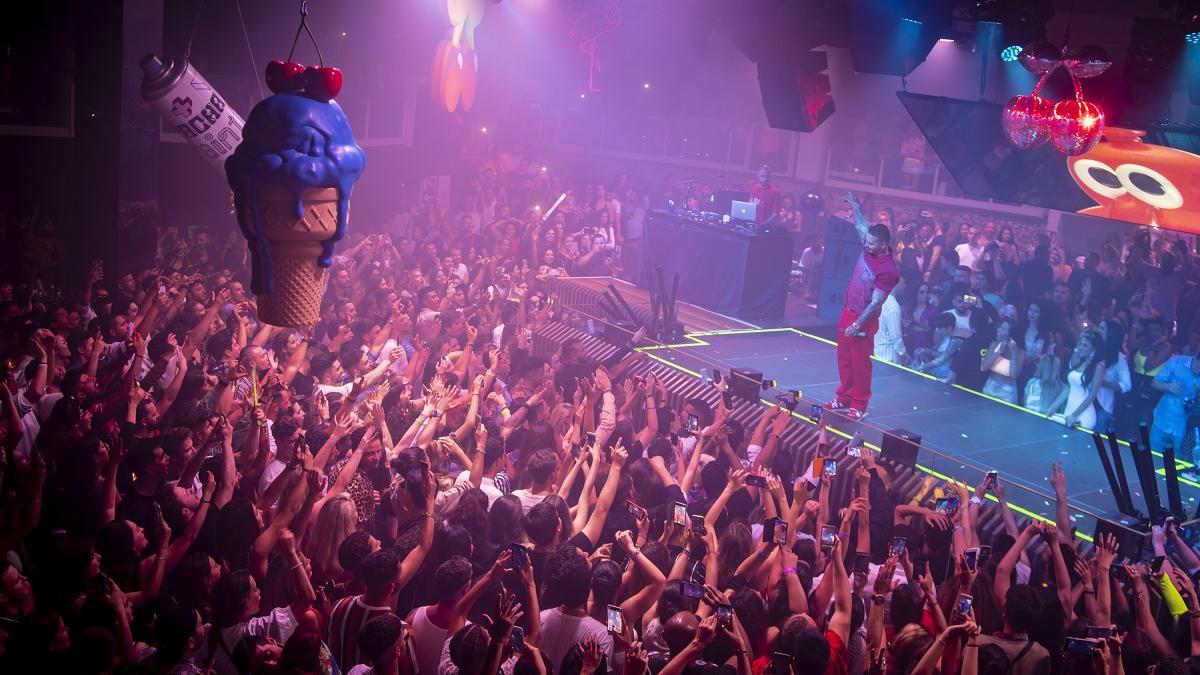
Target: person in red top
[
  {"x": 811, "y": 650},
  {"x": 874, "y": 276},
  {"x": 765, "y": 196}
]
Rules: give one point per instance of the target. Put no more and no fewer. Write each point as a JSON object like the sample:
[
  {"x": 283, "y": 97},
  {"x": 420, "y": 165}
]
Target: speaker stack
[{"x": 842, "y": 248}]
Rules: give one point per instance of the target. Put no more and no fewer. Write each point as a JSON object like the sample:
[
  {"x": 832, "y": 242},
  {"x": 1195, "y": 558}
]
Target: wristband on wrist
[{"x": 789, "y": 570}]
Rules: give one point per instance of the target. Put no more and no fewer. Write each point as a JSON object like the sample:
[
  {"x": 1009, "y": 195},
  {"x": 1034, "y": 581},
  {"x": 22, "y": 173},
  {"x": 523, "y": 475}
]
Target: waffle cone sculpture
[
  {"x": 296, "y": 245},
  {"x": 291, "y": 178}
]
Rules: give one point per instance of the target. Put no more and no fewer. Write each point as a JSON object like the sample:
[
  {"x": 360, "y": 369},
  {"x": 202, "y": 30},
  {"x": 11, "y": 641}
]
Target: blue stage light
[
  {"x": 1010, "y": 53},
  {"x": 908, "y": 20},
  {"x": 1192, "y": 38}
]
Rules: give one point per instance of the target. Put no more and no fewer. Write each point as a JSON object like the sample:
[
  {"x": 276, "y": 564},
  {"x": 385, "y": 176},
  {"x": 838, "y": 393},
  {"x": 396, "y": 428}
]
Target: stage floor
[{"x": 963, "y": 433}]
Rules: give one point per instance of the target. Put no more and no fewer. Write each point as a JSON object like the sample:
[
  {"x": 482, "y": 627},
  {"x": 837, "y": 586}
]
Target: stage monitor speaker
[
  {"x": 900, "y": 446},
  {"x": 842, "y": 248},
  {"x": 795, "y": 92},
  {"x": 1130, "y": 533},
  {"x": 745, "y": 383},
  {"x": 617, "y": 332}
]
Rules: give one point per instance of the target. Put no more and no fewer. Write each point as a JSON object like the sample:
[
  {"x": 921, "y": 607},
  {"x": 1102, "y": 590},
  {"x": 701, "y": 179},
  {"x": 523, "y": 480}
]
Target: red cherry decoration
[
  {"x": 1077, "y": 126},
  {"x": 322, "y": 83},
  {"x": 1026, "y": 120},
  {"x": 285, "y": 77}
]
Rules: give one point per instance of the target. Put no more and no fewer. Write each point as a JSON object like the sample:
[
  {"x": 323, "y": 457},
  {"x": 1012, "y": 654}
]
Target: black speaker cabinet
[
  {"x": 900, "y": 446},
  {"x": 1130, "y": 533},
  {"x": 842, "y": 248},
  {"x": 795, "y": 92},
  {"x": 745, "y": 383}
]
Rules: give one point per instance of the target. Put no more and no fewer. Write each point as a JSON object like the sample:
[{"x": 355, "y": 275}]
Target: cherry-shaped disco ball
[
  {"x": 1086, "y": 61},
  {"x": 1027, "y": 119},
  {"x": 1076, "y": 126},
  {"x": 1040, "y": 58}
]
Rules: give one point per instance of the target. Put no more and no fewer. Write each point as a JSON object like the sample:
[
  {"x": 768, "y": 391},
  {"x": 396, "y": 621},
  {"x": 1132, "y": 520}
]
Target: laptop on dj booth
[{"x": 743, "y": 211}]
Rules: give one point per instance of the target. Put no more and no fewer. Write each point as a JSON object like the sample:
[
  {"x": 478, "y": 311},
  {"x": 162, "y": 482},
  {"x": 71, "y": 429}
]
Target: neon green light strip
[
  {"x": 936, "y": 474},
  {"x": 1163, "y": 472},
  {"x": 751, "y": 331},
  {"x": 674, "y": 365},
  {"x": 696, "y": 342}
]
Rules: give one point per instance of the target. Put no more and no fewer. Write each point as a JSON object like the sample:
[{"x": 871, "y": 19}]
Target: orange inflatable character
[
  {"x": 1140, "y": 182},
  {"x": 455, "y": 62}
]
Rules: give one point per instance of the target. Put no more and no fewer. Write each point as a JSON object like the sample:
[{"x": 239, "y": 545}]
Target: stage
[{"x": 964, "y": 433}]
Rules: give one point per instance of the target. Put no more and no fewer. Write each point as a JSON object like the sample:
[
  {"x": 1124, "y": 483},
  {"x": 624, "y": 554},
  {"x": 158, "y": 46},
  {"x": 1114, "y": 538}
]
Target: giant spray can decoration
[{"x": 191, "y": 107}]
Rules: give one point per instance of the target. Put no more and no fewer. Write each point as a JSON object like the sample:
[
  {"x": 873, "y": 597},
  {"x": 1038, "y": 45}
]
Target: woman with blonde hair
[
  {"x": 1043, "y": 389},
  {"x": 335, "y": 521}
]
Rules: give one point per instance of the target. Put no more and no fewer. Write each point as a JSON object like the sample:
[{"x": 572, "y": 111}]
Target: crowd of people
[
  {"x": 408, "y": 486},
  {"x": 1107, "y": 341}
]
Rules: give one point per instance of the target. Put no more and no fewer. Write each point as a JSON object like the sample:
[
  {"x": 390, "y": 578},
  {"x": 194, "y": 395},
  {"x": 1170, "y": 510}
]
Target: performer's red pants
[{"x": 854, "y": 361}]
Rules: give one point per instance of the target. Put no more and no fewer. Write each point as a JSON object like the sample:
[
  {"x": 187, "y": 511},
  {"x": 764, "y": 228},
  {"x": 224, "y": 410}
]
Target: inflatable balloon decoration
[
  {"x": 191, "y": 106},
  {"x": 455, "y": 61},
  {"x": 291, "y": 179},
  {"x": 1075, "y": 125},
  {"x": 1140, "y": 182}
]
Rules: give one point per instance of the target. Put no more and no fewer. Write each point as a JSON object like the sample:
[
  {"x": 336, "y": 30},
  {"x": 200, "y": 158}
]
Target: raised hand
[
  {"x": 625, "y": 541},
  {"x": 1058, "y": 479},
  {"x": 162, "y": 534},
  {"x": 934, "y": 519},
  {"x": 508, "y": 613},
  {"x": 619, "y": 455},
  {"x": 1084, "y": 571},
  {"x": 602, "y": 381},
  {"x": 707, "y": 630},
  {"x": 636, "y": 659},
  {"x": 1106, "y": 550},
  {"x": 1049, "y": 532},
  {"x": 501, "y": 564},
  {"x": 592, "y": 654},
  {"x": 208, "y": 485},
  {"x": 885, "y": 577},
  {"x": 287, "y": 539}
]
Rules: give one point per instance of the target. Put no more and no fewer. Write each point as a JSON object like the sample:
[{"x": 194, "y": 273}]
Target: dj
[
  {"x": 765, "y": 196},
  {"x": 874, "y": 276}
]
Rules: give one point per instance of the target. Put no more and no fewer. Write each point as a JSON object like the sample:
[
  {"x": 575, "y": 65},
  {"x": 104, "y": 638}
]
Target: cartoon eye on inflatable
[
  {"x": 1099, "y": 177},
  {"x": 1150, "y": 186}
]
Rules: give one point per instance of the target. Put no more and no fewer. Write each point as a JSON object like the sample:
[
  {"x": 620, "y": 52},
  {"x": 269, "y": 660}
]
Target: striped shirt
[{"x": 344, "y": 621}]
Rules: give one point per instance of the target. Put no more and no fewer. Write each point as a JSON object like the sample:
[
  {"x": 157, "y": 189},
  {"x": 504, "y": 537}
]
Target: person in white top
[
  {"x": 961, "y": 312},
  {"x": 540, "y": 469},
  {"x": 236, "y": 605},
  {"x": 889, "y": 339},
  {"x": 568, "y": 624},
  {"x": 1117, "y": 379},
  {"x": 493, "y": 455},
  {"x": 971, "y": 252},
  {"x": 432, "y": 625}
]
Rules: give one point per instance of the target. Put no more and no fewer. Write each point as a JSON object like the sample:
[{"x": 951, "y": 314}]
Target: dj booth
[{"x": 732, "y": 270}]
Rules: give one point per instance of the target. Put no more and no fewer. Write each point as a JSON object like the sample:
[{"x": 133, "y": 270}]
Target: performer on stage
[
  {"x": 875, "y": 275},
  {"x": 765, "y": 195}
]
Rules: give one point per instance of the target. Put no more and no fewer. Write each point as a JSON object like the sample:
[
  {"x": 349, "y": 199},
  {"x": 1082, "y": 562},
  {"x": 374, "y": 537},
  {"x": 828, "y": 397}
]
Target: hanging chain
[
  {"x": 187, "y": 51},
  {"x": 304, "y": 26}
]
